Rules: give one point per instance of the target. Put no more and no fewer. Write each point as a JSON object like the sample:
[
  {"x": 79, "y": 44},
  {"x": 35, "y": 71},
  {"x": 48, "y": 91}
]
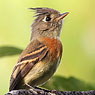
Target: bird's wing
[{"x": 34, "y": 53}]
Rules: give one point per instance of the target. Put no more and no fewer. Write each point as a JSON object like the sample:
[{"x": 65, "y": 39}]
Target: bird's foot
[{"x": 53, "y": 91}]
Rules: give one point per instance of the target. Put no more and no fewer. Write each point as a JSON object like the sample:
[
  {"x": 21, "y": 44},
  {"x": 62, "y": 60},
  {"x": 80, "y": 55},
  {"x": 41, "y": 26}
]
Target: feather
[
  {"x": 27, "y": 62},
  {"x": 42, "y": 11}
]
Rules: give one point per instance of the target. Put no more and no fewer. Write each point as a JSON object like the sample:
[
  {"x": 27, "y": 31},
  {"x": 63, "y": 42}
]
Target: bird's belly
[{"x": 41, "y": 72}]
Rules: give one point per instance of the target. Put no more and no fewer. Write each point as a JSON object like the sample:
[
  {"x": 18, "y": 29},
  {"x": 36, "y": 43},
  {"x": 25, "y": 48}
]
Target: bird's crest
[{"x": 41, "y": 11}]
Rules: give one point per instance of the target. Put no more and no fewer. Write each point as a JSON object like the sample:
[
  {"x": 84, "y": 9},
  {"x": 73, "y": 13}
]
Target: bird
[{"x": 41, "y": 58}]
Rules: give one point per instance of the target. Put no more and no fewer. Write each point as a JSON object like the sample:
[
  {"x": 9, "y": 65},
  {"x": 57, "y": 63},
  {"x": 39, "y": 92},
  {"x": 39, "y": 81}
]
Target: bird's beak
[{"x": 62, "y": 16}]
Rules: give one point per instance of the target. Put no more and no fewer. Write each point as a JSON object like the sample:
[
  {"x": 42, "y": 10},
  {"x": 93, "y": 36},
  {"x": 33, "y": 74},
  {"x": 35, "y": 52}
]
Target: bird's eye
[{"x": 48, "y": 18}]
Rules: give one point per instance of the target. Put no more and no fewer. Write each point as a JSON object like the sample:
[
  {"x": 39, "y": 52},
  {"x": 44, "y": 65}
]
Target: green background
[{"x": 77, "y": 68}]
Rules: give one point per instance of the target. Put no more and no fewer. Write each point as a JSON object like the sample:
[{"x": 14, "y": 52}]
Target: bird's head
[{"x": 48, "y": 23}]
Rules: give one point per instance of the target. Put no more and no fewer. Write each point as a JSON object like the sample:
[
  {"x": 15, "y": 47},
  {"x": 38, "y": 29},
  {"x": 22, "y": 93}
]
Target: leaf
[
  {"x": 68, "y": 84},
  {"x": 9, "y": 51}
]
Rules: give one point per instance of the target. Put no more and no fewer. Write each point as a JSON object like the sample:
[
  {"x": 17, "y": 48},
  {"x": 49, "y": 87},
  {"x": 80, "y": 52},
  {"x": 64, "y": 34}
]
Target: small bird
[{"x": 39, "y": 61}]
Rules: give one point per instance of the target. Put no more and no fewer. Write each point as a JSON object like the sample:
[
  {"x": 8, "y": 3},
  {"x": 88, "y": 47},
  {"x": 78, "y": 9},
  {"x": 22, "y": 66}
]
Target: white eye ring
[
  {"x": 47, "y": 19},
  {"x": 44, "y": 19}
]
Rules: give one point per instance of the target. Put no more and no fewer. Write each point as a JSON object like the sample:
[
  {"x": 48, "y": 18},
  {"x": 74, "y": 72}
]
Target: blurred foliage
[
  {"x": 68, "y": 84},
  {"x": 9, "y": 51}
]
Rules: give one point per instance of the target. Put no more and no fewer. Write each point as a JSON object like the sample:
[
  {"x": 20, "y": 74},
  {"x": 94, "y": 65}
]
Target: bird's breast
[{"x": 54, "y": 46}]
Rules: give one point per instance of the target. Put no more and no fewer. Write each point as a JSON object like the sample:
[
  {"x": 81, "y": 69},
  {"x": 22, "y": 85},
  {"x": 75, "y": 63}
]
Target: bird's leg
[
  {"x": 32, "y": 89},
  {"x": 36, "y": 89},
  {"x": 29, "y": 86}
]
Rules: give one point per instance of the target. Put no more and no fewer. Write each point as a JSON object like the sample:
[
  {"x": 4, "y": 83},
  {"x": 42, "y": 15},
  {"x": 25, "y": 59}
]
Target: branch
[{"x": 39, "y": 91}]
